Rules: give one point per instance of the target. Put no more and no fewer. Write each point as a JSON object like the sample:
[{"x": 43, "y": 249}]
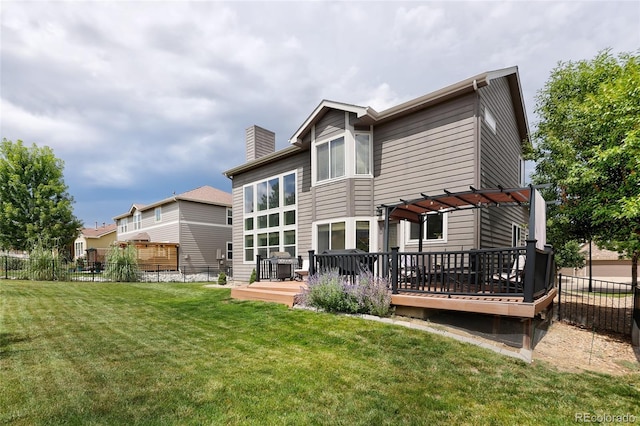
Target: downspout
[{"x": 478, "y": 175}]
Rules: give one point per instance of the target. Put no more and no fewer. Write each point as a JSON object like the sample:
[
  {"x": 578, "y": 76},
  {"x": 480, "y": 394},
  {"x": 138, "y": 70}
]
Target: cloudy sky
[{"x": 143, "y": 99}]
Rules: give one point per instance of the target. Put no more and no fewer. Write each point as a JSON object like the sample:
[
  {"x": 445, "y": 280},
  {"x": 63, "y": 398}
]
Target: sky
[{"x": 149, "y": 98}]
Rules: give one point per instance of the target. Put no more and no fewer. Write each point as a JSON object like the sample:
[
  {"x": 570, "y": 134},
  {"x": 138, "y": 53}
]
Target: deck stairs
[{"x": 283, "y": 292}]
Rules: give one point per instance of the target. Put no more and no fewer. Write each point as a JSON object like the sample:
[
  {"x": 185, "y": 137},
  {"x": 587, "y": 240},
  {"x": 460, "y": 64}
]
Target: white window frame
[
  {"x": 369, "y": 173},
  {"x": 281, "y": 228},
  {"x": 443, "y": 239},
  {"x": 230, "y": 215},
  {"x": 329, "y": 142},
  {"x": 124, "y": 225},
  {"x": 350, "y": 146},
  {"x": 157, "y": 214},
  {"x": 349, "y": 231},
  {"x": 79, "y": 249},
  {"x": 229, "y": 250},
  {"x": 491, "y": 121},
  {"x": 137, "y": 220},
  {"x": 519, "y": 233}
]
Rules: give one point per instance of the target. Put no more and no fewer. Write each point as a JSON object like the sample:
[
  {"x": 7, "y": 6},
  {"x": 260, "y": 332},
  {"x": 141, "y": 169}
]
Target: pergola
[{"x": 415, "y": 210}]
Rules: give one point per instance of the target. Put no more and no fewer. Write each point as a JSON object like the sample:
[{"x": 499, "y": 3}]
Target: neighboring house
[
  {"x": 93, "y": 243},
  {"x": 324, "y": 192},
  {"x": 606, "y": 265},
  {"x": 191, "y": 230}
]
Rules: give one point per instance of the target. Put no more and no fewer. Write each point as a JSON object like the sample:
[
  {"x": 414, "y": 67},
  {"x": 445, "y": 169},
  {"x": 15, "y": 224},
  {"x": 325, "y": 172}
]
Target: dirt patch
[{"x": 573, "y": 349}]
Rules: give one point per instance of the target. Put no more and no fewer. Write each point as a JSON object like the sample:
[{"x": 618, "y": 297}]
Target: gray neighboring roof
[
  {"x": 368, "y": 116},
  {"x": 204, "y": 194}
]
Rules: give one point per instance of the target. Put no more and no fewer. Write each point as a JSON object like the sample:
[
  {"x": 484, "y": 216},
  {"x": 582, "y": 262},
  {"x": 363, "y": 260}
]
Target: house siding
[
  {"x": 330, "y": 125},
  {"x": 426, "y": 152},
  {"x": 499, "y": 163},
  {"x": 203, "y": 231}
]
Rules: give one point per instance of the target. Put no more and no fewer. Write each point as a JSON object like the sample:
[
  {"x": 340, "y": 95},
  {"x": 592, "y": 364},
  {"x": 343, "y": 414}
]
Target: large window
[
  {"x": 124, "y": 224},
  {"x": 344, "y": 234},
  {"x": 271, "y": 225},
  {"x": 330, "y": 159},
  {"x": 434, "y": 228},
  {"x": 79, "y": 249},
  {"x": 158, "y": 214}
]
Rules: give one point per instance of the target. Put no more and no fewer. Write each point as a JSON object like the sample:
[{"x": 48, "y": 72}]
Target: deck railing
[{"x": 524, "y": 272}]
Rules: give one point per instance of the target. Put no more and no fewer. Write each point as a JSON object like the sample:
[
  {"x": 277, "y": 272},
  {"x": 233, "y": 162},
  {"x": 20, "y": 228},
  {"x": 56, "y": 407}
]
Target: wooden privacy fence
[{"x": 596, "y": 304}]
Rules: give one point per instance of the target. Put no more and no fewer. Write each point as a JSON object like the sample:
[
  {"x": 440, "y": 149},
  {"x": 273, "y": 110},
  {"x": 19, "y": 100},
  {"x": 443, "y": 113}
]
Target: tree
[
  {"x": 34, "y": 203},
  {"x": 588, "y": 148}
]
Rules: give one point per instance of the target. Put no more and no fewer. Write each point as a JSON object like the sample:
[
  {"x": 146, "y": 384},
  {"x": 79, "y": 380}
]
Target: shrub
[
  {"x": 222, "y": 278},
  {"x": 373, "y": 294},
  {"x": 334, "y": 293},
  {"x": 45, "y": 265},
  {"x": 252, "y": 278},
  {"x": 122, "y": 264}
]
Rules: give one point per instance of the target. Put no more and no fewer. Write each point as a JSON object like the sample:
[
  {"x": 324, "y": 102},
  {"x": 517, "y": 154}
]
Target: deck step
[
  {"x": 286, "y": 286},
  {"x": 265, "y": 295}
]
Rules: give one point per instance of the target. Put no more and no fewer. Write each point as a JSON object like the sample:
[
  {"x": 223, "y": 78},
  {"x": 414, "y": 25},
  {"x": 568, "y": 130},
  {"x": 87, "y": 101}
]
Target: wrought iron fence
[
  {"x": 596, "y": 304},
  {"x": 55, "y": 270}
]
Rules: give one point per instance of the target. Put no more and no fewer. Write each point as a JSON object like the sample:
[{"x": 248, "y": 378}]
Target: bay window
[{"x": 330, "y": 159}]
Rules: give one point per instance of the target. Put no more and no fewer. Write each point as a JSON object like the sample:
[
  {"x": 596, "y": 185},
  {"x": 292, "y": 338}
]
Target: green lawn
[{"x": 107, "y": 353}]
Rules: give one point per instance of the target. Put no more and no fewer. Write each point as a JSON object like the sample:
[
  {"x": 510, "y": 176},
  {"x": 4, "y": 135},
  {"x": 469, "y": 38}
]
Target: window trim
[
  {"x": 355, "y": 153},
  {"x": 445, "y": 232},
  {"x": 230, "y": 216},
  {"x": 157, "y": 214},
  {"x": 229, "y": 250},
  {"x": 137, "y": 220},
  {"x": 350, "y": 231},
  {"x": 490, "y": 120}
]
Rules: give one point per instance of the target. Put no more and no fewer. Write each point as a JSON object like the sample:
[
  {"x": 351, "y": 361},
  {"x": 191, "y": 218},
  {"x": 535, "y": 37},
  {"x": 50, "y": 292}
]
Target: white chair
[
  {"x": 514, "y": 278},
  {"x": 302, "y": 273}
]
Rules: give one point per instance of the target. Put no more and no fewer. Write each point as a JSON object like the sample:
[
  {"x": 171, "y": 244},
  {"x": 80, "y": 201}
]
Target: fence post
[
  {"x": 6, "y": 267},
  {"x": 312, "y": 262},
  {"x": 258, "y": 262},
  {"x": 394, "y": 270},
  {"x": 559, "y": 297}
]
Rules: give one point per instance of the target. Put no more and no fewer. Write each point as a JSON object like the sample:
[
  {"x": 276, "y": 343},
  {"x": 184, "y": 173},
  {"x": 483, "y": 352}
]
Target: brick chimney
[{"x": 260, "y": 142}]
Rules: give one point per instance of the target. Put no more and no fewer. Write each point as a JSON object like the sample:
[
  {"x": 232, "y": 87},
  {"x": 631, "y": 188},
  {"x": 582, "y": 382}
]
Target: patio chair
[
  {"x": 302, "y": 273},
  {"x": 513, "y": 280}
]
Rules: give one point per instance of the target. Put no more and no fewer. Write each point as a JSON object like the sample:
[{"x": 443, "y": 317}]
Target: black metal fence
[
  {"x": 55, "y": 270},
  {"x": 595, "y": 304}
]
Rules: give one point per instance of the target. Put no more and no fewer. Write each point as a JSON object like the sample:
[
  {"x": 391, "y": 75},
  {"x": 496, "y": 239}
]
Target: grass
[{"x": 110, "y": 353}]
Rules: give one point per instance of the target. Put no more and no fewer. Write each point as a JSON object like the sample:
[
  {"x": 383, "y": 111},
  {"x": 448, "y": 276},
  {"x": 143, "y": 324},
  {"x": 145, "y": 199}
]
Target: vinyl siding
[
  {"x": 164, "y": 231},
  {"x": 330, "y": 125},
  {"x": 499, "y": 163},
  {"x": 203, "y": 231},
  {"x": 426, "y": 152}
]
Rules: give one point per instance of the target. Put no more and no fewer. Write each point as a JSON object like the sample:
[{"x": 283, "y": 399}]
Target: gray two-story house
[
  {"x": 188, "y": 231},
  {"x": 324, "y": 191}
]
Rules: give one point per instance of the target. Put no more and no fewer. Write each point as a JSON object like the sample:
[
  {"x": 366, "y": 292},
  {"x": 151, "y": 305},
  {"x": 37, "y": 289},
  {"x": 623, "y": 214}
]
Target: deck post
[
  {"x": 559, "y": 297},
  {"x": 258, "y": 262},
  {"x": 312, "y": 262},
  {"x": 394, "y": 270},
  {"x": 530, "y": 271}
]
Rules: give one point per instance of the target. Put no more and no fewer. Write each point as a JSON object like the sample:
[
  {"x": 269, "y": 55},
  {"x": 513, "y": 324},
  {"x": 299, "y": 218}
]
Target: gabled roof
[
  {"x": 204, "y": 194},
  {"x": 368, "y": 115},
  {"x": 98, "y": 232}
]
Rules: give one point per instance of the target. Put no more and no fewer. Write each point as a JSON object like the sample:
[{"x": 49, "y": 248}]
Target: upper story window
[
  {"x": 363, "y": 154},
  {"x": 229, "y": 217},
  {"x": 123, "y": 225},
  {"x": 434, "y": 228},
  {"x": 330, "y": 159},
  {"x": 490, "y": 120},
  {"x": 158, "y": 214},
  {"x": 137, "y": 220}
]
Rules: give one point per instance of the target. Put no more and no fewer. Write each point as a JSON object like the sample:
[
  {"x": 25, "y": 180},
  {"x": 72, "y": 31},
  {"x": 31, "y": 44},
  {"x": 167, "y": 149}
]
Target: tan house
[
  {"x": 606, "y": 265},
  {"x": 93, "y": 243}
]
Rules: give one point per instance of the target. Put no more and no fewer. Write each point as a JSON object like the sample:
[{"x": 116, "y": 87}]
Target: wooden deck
[{"x": 285, "y": 293}]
